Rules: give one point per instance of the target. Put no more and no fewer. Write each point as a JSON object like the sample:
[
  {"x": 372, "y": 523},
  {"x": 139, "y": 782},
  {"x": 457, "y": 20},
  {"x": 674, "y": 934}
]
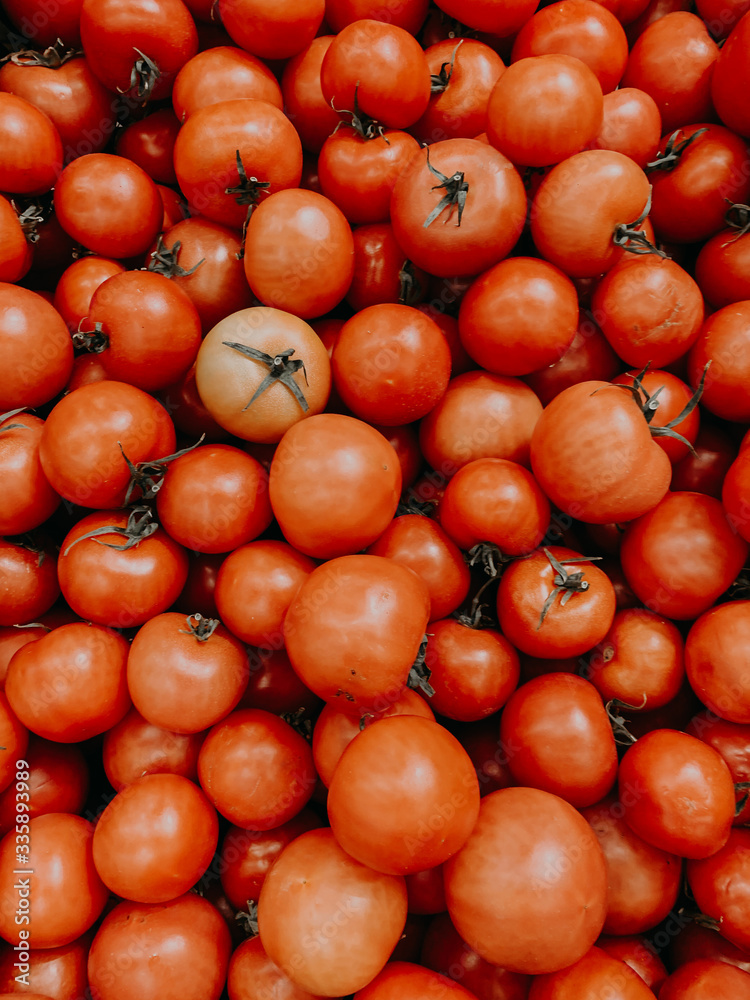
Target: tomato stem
[
  {"x": 143, "y": 77},
  {"x": 280, "y": 369},
  {"x": 200, "y": 627},
  {"x": 419, "y": 675},
  {"x": 8, "y": 415},
  {"x": 737, "y": 217},
  {"x": 440, "y": 80},
  {"x": 565, "y": 583},
  {"x": 52, "y": 57},
  {"x": 628, "y": 236},
  {"x": 649, "y": 403},
  {"x": 741, "y": 786},
  {"x": 148, "y": 476},
  {"x": 94, "y": 341},
  {"x": 248, "y": 919},
  {"x": 622, "y": 734},
  {"x": 673, "y": 151},
  {"x": 299, "y": 722},
  {"x": 456, "y": 190},
  {"x": 163, "y": 260},
  {"x": 363, "y": 125},
  {"x": 410, "y": 290},
  {"x": 139, "y": 526}
]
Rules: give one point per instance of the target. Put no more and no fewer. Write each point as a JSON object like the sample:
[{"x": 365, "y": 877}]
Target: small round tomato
[
  {"x": 720, "y": 884},
  {"x": 28, "y": 498},
  {"x": 28, "y": 581},
  {"x": 32, "y": 151},
  {"x": 223, "y": 73},
  {"x": 715, "y": 660},
  {"x": 134, "y": 747}
]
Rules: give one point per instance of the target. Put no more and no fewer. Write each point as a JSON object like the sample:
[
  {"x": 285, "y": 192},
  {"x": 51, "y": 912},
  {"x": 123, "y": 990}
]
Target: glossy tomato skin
[
  {"x": 31, "y": 166},
  {"x": 258, "y": 750},
  {"x": 157, "y": 559},
  {"x": 636, "y": 952},
  {"x": 732, "y": 71},
  {"x": 495, "y": 864},
  {"x": 631, "y": 124},
  {"x": 77, "y": 284},
  {"x": 189, "y": 944},
  {"x": 715, "y": 660},
  {"x": 94, "y": 696},
  {"x": 722, "y": 341},
  {"x": 354, "y": 628},
  {"x": 732, "y": 740},
  {"x": 719, "y": 884},
  {"x": 58, "y": 971},
  {"x": 227, "y": 380},
  {"x": 705, "y": 978},
  {"x": 58, "y": 781},
  {"x": 594, "y": 972},
  {"x": 27, "y": 320},
  {"x": 307, "y": 109},
  {"x": 134, "y": 747},
  {"x": 404, "y": 796},
  {"x": 643, "y": 881},
  {"x": 271, "y": 33},
  {"x": 17, "y": 254},
  {"x": 586, "y": 461},
  {"x": 677, "y": 792},
  {"x": 683, "y": 530},
  {"x": 222, "y": 73},
  {"x": 28, "y": 582},
  {"x": 400, "y": 978},
  {"x": 345, "y": 464},
  {"x": 28, "y": 498},
  {"x": 252, "y": 973},
  {"x": 567, "y": 630},
  {"x": 721, "y": 268}
]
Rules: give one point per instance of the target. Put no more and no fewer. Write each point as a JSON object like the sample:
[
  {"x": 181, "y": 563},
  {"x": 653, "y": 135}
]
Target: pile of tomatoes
[{"x": 374, "y": 499}]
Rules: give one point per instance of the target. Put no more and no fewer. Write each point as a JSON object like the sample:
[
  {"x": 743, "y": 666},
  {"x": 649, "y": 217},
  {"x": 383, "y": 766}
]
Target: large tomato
[
  {"x": 223, "y": 73},
  {"x": 715, "y": 660}
]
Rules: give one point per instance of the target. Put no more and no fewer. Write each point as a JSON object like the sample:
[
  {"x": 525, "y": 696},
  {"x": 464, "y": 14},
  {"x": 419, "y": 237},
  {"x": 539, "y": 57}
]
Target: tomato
[
  {"x": 569, "y": 749},
  {"x": 354, "y": 628},
  {"x": 155, "y": 838},
  {"x": 677, "y": 793},
  {"x": 680, "y": 556},
  {"x": 485, "y": 15},
  {"x": 28, "y": 498},
  {"x": 150, "y": 144},
  {"x": 206, "y": 158},
  {"x": 408, "y": 14},
  {"x": 312, "y": 116},
  {"x": 203, "y": 259},
  {"x": 382, "y": 272},
  {"x": 458, "y": 208},
  {"x": 187, "y": 953},
  {"x": 261, "y": 753},
  {"x": 36, "y": 352},
  {"x": 137, "y": 49},
  {"x": 60, "y": 972},
  {"x": 593, "y": 455},
  {"x": 731, "y": 739},
  {"x": 473, "y": 671},
  {"x": 481, "y": 415},
  {"x": 58, "y": 781},
  {"x": 15, "y": 744},
  {"x": 253, "y": 975},
  {"x": 732, "y": 71},
  {"x": 649, "y": 309},
  {"x": 714, "y": 660},
  {"x": 705, "y": 978},
  {"x": 77, "y": 284},
  {"x": 335, "y": 727},
  {"x": 150, "y": 327},
  {"x": 631, "y": 124},
  {"x": 271, "y": 33},
  {"x": 289, "y": 362},
  {"x": 311, "y": 887},
  {"x": 223, "y": 73},
  {"x": 720, "y": 885},
  {"x": 134, "y": 747},
  {"x": 421, "y": 544},
  {"x": 639, "y": 954},
  {"x": 28, "y": 581},
  {"x": 692, "y": 187},
  {"x": 721, "y": 268},
  {"x": 640, "y": 661},
  {"x": 497, "y": 501},
  {"x": 586, "y": 210},
  {"x": 706, "y": 471},
  {"x": 537, "y": 622},
  {"x": 135, "y": 579},
  {"x": 722, "y": 341},
  {"x": 17, "y": 252},
  {"x": 595, "y": 972},
  {"x": 86, "y": 698},
  {"x": 404, "y": 796},
  {"x": 699, "y": 941},
  {"x": 553, "y": 898},
  {"x": 391, "y": 364},
  {"x": 587, "y": 30},
  {"x": 80, "y": 443},
  {"x": 352, "y": 484},
  {"x": 274, "y": 686},
  {"x": 664, "y": 399},
  {"x": 32, "y": 152},
  {"x": 406, "y": 978},
  {"x": 644, "y": 881},
  {"x": 543, "y": 109},
  {"x": 185, "y": 675},
  {"x": 66, "y": 894},
  {"x": 299, "y": 253},
  {"x": 518, "y": 316}
]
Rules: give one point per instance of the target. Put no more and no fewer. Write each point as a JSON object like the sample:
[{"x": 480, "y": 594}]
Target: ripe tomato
[
  {"x": 723, "y": 342},
  {"x": 664, "y": 398},
  {"x": 299, "y": 253},
  {"x": 77, "y": 284},
  {"x": 553, "y": 898},
  {"x": 28, "y": 581},
  {"x": 705, "y": 978},
  {"x": 134, "y": 747},
  {"x": 714, "y": 660},
  {"x": 261, "y": 753},
  {"x": 400, "y": 979},
  {"x": 32, "y": 152},
  {"x": 382, "y": 272},
  {"x": 58, "y": 781},
  {"x": 595, "y": 972},
  {"x": 391, "y": 364},
  {"x": 187, "y": 953},
  {"x": 677, "y": 793},
  {"x": 721, "y": 887},
  {"x": 58, "y": 971},
  {"x": 334, "y": 456},
  {"x": 537, "y": 622},
  {"x": 329, "y": 922},
  {"x": 276, "y": 32},
  {"x": 36, "y": 351},
  {"x": 636, "y": 952},
  {"x": 732, "y": 740},
  {"x": 17, "y": 252},
  {"x": 223, "y": 73},
  {"x": 404, "y": 795},
  {"x": 721, "y": 267},
  {"x": 15, "y": 744},
  {"x": 707, "y": 470},
  {"x": 730, "y": 72},
  {"x": 354, "y": 628},
  {"x": 503, "y": 20},
  {"x": 86, "y": 698},
  {"x": 312, "y": 116},
  {"x": 28, "y": 498},
  {"x": 66, "y": 894},
  {"x": 631, "y": 124},
  {"x": 252, "y": 974},
  {"x": 680, "y": 556},
  {"x": 261, "y": 370},
  {"x": 458, "y": 208}
]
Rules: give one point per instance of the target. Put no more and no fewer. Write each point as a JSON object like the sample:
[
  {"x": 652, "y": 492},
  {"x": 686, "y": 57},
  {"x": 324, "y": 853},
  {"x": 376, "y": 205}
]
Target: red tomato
[
  {"x": 720, "y": 886},
  {"x": 732, "y": 71},
  {"x": 595, "y": 972},
  {"x": 66, "y": 894},
  {"x": 382, "y": 273},
  {"x": 639, "y": 954},
  {"x": 664, "y": 398},
  {"x": 408, "y": 14},
  {"x": 335, "y": 456},
  {"x": 587, "y": 30},
  {"x": 404, "y": 796},
  {"x": 677, "y": 793},
  {"x": 631, "y": 124},
  {"x": 32, "y": 152},
  {"x": 58, "y": 781},
  {"x": 722, "y": 341},
  {"x": 708, "y": 468},
  {"x": 485, "y": 15},
  {"x": 310, "y": 887},
  {"x": 17, "y": 252},
  {"x": 28, "y": 498},
  {"x": 60, "y": 972},
  {"x": 705, "y": 978},
  {"x": 271, "y": 32},
  {"x": 253, "y": 975},
  {"x": 150, "y": 144},
  {"x": 261, "y": 753},
  {"x": 223, "y": 73},
  {"x": 682, "y": 555},
  {"x": 557, "y": 891},
  {"x": 28, "y": 581},
  {"x": 36, "y": 352},
  {"x": 85, "y": 699},
  {"x": 400, "y": 979},
  {"x": 732, "y": 740},
  {"x": 15, "y": 738},
  {"x": 134, "y": 747},
  {"x": 188, "y": 951},
  {"x": 155, "y": 838},
  {"x": 714, "y": 660},
  {"x": 307, "y": 109},
  {"x": 721, "y": 268},
  {"x": 299, "y": 253},
  {"x": 77, "y": 284}
]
